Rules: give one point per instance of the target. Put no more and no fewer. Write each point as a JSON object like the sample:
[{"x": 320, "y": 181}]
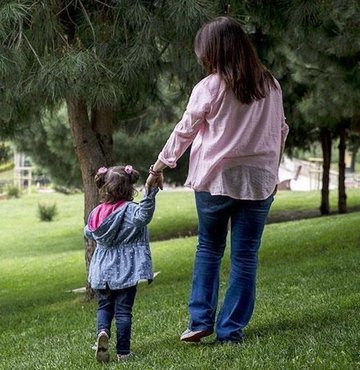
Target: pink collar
[{"x": 101, "y": 212}]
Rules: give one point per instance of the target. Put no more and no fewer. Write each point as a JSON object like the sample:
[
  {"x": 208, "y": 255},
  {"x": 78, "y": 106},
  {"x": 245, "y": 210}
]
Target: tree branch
[
  {"x": 87, "y": 19},
  {"x": 33, "y": 50}
]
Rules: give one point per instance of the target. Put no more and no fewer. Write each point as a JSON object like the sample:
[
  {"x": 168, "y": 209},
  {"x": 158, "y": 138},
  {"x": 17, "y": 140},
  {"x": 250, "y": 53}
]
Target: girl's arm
[
  {"x": 144, "y": 211},
  {"x": 88, "y": 233}
]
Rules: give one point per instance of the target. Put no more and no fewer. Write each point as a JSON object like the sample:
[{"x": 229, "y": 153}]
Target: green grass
[
  {"x": 307, "y": 313},
  {"x": 310, "y": 200},
  {"x": 7, "y": 175},
  {"x": 175, "y": 216}
]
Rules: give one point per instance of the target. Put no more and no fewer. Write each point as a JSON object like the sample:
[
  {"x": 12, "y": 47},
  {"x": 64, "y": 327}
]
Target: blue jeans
[
  {"x": 118, "y": 304},
  {"x": 247, "y": 224}
]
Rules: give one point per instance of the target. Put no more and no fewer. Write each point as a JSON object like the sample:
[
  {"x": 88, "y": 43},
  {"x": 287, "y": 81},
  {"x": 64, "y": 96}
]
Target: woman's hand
[
  {"x": 155, "y": 177},
  {"x": 152, "y": 181}
]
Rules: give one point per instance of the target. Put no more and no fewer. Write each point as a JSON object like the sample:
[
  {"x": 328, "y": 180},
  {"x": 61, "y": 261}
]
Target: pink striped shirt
[{"x": 236, "y": 148}]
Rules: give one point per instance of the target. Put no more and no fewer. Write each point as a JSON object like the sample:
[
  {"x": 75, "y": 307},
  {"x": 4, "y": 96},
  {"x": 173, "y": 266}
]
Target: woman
[{"x": 236, "y": 125}]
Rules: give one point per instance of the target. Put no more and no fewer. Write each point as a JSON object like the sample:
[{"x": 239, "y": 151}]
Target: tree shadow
[
  {"x": 309, "y": 322},
  {"x": 296, "y": 215}
]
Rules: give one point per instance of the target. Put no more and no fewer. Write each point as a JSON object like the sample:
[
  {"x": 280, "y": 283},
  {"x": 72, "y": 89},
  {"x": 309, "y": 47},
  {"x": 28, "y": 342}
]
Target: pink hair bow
[
  {"x": 102, "y": 171},
  {"x": 129, "y": 169}
]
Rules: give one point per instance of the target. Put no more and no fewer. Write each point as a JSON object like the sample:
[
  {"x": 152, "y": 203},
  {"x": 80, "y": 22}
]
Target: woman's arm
[
  {"x": 185, "y": 131},
  {"x": 284, "y": 134}
]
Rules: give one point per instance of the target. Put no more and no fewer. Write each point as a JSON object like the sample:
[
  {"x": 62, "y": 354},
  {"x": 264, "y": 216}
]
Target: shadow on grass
[
  {"x": 293, "y": 215},
  {"x": 308, "y": 323}
]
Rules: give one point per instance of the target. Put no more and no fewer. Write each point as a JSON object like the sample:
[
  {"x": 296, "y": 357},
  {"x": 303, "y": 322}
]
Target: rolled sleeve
[{"x": 180, "y": 139}]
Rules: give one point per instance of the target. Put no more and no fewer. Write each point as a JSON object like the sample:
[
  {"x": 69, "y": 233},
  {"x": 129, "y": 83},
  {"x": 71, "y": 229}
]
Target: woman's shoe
[
  {"x": 102, "y": 347},
  {"x": 194, "y": 336},
  {"x": 125, "y": 357}
]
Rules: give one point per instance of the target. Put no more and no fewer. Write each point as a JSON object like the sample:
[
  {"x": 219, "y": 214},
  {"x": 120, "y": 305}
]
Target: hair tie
[
  {"x": 102, "y": 171},
  {"x": 129, "y": 169}
]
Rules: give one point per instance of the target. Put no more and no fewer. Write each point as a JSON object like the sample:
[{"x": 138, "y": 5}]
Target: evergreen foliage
[
  {"x": 5, "y": 152},
  {"x": 121, "y": 48},
  {"x": 48, "y": 141},
  {"x": 109, "y": 54},
  {"x": 327, "y": 61},
  {"x": 103, "y": 58}
]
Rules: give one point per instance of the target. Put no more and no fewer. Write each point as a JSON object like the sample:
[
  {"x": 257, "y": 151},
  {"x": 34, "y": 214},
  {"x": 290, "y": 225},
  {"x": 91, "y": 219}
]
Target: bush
[
  {"x": 6, "y": 166},
  {"x": 13, "y": 191},
  {"x": 47, "y": 211},
  {"x": 5, "y": 152}
]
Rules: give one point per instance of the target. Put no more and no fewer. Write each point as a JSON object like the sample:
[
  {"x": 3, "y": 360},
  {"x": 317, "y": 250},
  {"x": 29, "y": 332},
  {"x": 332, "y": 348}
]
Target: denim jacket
[{"x": 122, "y": 255}]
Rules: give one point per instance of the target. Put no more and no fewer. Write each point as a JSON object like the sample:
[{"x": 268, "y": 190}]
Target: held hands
[{"x": 155, "y": 178}]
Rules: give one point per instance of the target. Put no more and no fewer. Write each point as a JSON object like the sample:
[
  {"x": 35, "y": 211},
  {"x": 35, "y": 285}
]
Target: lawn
[
  {"x": 175, "y": 216},
  {"x": 307, "y": 313}
]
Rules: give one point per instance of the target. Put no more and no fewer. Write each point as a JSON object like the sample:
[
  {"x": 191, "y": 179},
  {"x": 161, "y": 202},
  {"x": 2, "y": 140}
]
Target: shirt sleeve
[
  {"x": 143, "y": 212},
  {"x": 284, "y": 132},
  {"x": 284, "y": 127},
  {"x": 193, "y": 119},
  {"x": 87, "y": 233}
]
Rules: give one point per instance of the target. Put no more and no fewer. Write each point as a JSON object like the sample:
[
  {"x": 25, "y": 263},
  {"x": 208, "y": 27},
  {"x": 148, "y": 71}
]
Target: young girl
[{"x": 122, "y": 255}]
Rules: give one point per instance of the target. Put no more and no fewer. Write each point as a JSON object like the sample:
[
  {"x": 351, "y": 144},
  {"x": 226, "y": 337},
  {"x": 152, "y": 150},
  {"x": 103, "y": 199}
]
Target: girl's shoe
[
  {"x": 194, "y": 336},
  {"x": 102, "y": 347},
  {"x": 125, "y": 357}
]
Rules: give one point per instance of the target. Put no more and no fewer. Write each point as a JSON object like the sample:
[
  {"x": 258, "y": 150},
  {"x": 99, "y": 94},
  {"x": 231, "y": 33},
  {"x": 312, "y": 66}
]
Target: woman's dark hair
[
  {"x": 116, "y": 183},
  {"x": 223, "y": 47}
]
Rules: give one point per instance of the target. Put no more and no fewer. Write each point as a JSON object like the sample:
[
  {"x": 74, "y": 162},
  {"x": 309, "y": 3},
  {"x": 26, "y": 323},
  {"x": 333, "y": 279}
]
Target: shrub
[
  {"x": 13, "y": 191},
  {"x": 47, "y": 211},
  {"x": 6, "y": 166}
]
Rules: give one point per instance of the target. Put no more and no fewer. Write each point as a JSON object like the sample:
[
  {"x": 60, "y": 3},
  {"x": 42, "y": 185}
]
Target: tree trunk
[
  {"x": 342, "y": 190},
  {"x": 325, "y": 136},
  {"x": 92, "y": 141}
]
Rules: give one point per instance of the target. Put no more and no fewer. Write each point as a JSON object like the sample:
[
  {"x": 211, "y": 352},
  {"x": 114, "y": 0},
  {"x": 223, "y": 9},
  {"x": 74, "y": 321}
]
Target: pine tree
[
  {"x": 103, "y": 58},
  {"x": 326, "y": 61}
]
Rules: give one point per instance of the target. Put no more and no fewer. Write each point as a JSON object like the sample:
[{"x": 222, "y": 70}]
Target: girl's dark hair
[
  {"x": 116, "y": 183},
  {"x": 222, "y": 47}
]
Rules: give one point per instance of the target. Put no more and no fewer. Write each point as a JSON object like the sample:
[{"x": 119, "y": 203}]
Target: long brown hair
[{"x": 223, "y": 47}]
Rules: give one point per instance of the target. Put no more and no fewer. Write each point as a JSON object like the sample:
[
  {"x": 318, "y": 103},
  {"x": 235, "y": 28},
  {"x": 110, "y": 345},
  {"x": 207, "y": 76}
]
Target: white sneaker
[
  {"x": 194, "y": 336},
  {"x": 102, "y": 347},
  {"x": 125, "y": 357}
]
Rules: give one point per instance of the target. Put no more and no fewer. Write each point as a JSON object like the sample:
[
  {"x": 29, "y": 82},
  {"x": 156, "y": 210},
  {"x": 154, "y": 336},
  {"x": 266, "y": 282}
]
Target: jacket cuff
[{"x": 153, "y": 191}]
